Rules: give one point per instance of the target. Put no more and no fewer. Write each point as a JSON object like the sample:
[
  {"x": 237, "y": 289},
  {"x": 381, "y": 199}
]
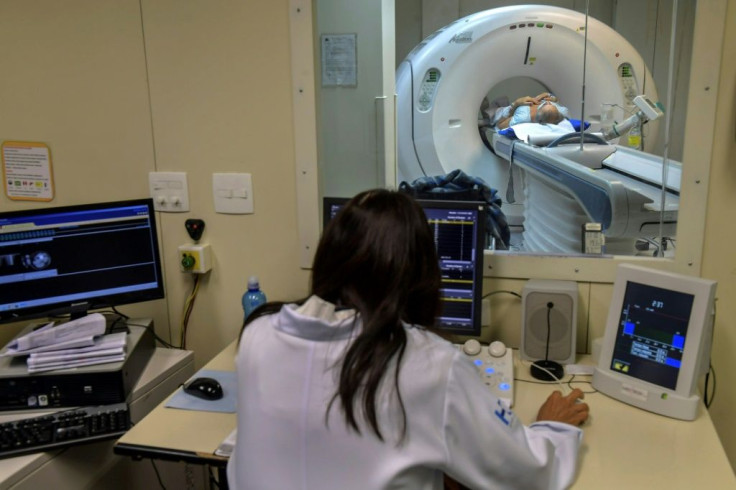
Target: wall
[
  {"x": 220, "y": 81},
  {"x": 719, "y": 260},
  {"x": 352, "y": 155},
  {"x": 120, "y": 88}
]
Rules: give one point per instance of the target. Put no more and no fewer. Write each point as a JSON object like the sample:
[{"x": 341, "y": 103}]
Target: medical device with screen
[
  {"x": 459, "y": 232},
  {"x": 68, "y": 260},
  {"x": 657, "y": 340}
]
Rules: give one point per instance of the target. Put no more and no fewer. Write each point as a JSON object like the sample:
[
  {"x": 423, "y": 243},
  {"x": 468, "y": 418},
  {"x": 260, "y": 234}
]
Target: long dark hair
[{"x": 378, "y": 257}]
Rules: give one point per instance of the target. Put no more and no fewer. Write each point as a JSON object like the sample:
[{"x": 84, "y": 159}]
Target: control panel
[
  {"x": 495, "y": 364},
  {"x": 428, "y": 89}
]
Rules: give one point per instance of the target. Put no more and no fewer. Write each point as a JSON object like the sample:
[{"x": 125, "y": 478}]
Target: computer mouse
[{"x": 205, "y": 388}]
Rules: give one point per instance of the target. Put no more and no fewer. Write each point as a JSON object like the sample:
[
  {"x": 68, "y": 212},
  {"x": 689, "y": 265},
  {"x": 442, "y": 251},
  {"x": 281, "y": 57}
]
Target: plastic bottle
[
  {"x": 635, "y": 136},
  {"x": 253, "y": 297}
]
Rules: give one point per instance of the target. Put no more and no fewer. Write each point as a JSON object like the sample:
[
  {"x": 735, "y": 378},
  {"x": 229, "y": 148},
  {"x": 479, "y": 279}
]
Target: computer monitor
[
  {"x": 657, "y": 340},
  {"x": 68, "y": 260},
  {"x": 460, "y": 236}
]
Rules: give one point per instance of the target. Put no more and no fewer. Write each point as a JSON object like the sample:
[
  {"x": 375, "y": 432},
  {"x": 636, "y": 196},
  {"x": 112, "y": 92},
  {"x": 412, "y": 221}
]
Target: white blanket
[{"x": 540, "y": 134}]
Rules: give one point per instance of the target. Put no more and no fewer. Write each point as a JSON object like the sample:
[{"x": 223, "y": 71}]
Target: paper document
[
  {"x": 37, "y": 359},
  {"x": 97, "y": 345},
  {"x": 72, "y": 364},
  {"x": 88, "y": 326},
  {"x": 226, "y": 447},
  {"x": 69, "y": 344},
  {"x": 106, "y": 348}
]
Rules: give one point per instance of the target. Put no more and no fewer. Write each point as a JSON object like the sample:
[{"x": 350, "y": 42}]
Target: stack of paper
[
  {"x": 227, "y": 446},
  {"x": 76, "y": 343}
]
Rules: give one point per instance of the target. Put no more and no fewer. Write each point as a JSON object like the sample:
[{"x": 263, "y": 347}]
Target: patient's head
[{"x": 549, "y": 114}]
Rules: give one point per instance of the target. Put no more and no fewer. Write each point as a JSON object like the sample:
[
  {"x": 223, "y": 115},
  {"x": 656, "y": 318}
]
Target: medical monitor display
[
  {"x": 459, "y": 231},
  {"x": 651, "y": 334},
  {"x": 68, "y": 260},
  {"x": 657, "y": 340}
]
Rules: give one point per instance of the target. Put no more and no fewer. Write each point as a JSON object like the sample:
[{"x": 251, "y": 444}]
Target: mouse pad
[{"x": 227, "y": 403}]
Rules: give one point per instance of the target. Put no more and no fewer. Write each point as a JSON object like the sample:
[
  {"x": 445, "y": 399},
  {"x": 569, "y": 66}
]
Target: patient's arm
[
  {"x": 503, "y": 123},
  {"x": 544, "y": 96}
]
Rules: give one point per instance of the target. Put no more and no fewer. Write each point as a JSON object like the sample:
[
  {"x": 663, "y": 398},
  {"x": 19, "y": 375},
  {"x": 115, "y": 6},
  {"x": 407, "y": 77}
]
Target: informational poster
[
  {"x": 339, "y": 60},
  {"x": 27, "y": 173}
]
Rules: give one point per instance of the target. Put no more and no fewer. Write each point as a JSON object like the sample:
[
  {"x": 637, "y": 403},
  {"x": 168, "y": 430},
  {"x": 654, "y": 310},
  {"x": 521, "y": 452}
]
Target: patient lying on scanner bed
[{"x": 542, "y": 109}]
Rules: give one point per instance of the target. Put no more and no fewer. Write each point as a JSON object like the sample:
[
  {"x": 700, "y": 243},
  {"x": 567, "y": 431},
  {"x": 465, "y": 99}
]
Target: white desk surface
[
  {"x": 191, "y": 434},
  {"x": 159, "y": 372},
  {"x": 623, "y": 446}
]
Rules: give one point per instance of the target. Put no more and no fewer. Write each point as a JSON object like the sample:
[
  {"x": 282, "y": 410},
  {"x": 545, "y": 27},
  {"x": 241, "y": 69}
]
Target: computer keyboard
[
  {"x": 495, "y": 363},
  {"x": 60, "y": 429}
]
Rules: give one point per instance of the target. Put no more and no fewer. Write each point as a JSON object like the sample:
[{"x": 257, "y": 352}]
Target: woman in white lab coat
[{"x": 349, "y": 390}]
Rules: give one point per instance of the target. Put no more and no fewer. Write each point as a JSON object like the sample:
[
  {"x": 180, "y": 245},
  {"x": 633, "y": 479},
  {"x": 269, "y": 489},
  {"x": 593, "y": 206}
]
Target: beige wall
[
  {"x": 719, "y": 258},
  {"x": 120, "y": 88}
]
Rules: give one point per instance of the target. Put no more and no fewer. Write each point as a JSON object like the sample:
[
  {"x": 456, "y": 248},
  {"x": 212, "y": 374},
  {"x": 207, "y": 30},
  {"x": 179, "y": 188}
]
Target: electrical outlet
[
  {"x": 196, "y": 259},
  {"x": 169, "y": 191}
]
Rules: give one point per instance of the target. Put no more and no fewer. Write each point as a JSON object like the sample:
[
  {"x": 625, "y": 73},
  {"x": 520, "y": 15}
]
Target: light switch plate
[
  {"x": 169, "y": 191},
  {"x": 233, "y": 193}
]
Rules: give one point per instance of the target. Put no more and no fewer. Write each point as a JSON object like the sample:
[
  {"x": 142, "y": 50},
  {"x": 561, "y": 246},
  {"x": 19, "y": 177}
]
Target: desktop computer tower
[{"x": 101, "y": 384}]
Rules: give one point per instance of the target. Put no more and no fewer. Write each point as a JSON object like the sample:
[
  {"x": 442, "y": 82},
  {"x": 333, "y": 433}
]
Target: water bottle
[{"x": 253, "y": 297}]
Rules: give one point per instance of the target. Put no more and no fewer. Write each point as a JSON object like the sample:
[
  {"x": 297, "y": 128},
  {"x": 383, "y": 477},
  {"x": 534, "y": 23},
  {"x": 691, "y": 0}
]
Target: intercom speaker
[{"x": 549, "y": 320}]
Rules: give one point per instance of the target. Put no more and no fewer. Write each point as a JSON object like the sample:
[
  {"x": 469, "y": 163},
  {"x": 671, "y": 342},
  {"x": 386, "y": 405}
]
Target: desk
[
  {"x": 86, "y": 465},
  {"x": 623, "y": 446},
  {"x": 182, "y": 435}
]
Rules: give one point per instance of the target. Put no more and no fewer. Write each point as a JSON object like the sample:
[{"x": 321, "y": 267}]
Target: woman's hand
[{"x": 567, "y": 409}]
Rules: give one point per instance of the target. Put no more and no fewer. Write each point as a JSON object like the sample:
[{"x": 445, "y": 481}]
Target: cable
[
  {"x": 502, "y": 291},
  {"x": 706, "y": 400},
  {"x": 552, "y": 375},
  {"x": 588, "y": 382},
  {"x": 188, "y": 306},
  {"x": 155, "y": 336},
  {"x": 128, "y": 323},
  {"x": 120, "y": 314},
  {"x": 549, "y": 330},
  {"x": 213, "y": 480},
  {"x": 158, "y": 475}
]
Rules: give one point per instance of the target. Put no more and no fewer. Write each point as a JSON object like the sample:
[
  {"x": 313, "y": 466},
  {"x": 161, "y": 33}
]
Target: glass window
[{"x": 621, "y": 191}]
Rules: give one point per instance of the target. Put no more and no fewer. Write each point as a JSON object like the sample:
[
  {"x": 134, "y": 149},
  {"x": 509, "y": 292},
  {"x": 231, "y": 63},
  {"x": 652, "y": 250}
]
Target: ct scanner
[{"x": 442, "y": 82}]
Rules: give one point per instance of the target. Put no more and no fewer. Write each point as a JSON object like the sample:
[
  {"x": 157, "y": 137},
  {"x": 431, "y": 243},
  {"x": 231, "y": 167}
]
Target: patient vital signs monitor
[
  {"x": 657, "y": 340},
  {"x": 459, "y": 233}
]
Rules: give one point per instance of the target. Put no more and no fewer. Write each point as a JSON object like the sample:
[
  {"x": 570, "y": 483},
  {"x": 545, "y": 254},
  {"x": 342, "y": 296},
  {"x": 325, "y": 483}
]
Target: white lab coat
[{"x": 288, "y": 364}]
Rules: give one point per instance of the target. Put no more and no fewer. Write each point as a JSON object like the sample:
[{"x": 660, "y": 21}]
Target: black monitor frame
[
  {"x": 28, "y": 235},
  {"x": 466, "y": 325}
]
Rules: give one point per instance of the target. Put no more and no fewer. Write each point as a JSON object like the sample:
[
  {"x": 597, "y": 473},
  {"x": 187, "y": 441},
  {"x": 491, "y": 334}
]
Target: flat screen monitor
[
  {"x": 460, "y": 235},
  {"x": 657, "y": 340},
  {"x": 68, "y": 260}
]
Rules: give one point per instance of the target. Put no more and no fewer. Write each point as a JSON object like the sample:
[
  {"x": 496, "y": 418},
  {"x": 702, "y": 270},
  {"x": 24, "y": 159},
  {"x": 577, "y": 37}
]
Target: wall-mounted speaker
[{"x": 549, "y": 311}]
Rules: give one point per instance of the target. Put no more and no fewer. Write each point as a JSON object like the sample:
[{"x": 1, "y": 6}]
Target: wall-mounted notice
[
  {"x": 339, "y": 60},
  {"x": 27, "y": 173}
]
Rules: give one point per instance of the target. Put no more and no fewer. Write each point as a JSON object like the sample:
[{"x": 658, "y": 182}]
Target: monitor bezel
[
  {"x": 62, "y": 308},
  {"x": 696, "y": 353}
]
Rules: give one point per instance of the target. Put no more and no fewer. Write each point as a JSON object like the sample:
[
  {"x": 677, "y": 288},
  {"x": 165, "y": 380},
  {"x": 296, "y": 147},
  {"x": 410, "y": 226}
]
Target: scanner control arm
[{"x": 648, "y": 111}]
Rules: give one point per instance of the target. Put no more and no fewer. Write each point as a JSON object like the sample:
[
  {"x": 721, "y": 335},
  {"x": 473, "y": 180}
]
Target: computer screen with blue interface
[
  {"x": 67, "y": 260},
  {"x": 459, "y": 233}
]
